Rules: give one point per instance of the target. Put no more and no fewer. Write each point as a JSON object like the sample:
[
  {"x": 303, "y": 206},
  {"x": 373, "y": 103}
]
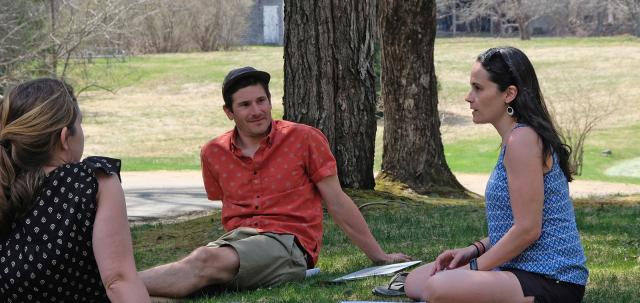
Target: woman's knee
[
  {"x": 414, "y": 285},
  {"x": 431, "y": 288},
  {"x": 440, "y": 288}
]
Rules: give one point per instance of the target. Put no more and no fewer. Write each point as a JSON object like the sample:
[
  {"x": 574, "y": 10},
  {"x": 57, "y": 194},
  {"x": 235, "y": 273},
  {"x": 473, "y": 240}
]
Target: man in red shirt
[{"x": 272, "y": 177}]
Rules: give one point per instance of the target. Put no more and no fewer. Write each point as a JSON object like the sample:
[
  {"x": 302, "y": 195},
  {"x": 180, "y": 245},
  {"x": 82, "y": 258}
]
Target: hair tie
[{"x": 5, "y": 144}]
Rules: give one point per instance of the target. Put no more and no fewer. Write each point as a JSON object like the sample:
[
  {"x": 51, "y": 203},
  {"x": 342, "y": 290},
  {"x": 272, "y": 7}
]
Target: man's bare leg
[{"x": 203, "y": 267}]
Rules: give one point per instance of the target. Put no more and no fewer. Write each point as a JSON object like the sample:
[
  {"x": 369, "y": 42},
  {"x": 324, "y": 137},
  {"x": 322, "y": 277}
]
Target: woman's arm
[
  {"x": 112, "y": 244},
  {"x": 523, "y": 162},
  {"x": 457, "y": 257}
]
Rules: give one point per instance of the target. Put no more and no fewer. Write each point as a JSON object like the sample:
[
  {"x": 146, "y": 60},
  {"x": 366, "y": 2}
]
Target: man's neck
[{"x": 249, "y": 144}]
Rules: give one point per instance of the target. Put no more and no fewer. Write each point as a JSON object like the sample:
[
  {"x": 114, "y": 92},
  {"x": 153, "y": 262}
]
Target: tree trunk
[
  {"x": 523, "y": 25},
  {"x": 53, "y": 49},
  {"x": 454, "y": 18},
  {"x": 522, "y": 20},
  {"x": 635, "y": 16},
  {"x": 413, "y": 152},
  {"x": 329, "y": 80}
]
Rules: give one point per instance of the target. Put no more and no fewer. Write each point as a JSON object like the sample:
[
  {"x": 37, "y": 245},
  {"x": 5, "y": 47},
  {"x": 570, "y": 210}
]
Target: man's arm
[
  {"x": 346, "y": 214},
  {"x": 211, "y": 185}
]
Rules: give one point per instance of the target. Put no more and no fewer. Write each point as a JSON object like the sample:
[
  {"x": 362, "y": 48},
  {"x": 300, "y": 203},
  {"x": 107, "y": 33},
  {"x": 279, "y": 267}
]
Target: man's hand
[{"x": 392, "y": 258}]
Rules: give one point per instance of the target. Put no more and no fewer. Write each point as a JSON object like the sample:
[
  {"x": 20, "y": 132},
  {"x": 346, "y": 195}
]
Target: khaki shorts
[{"x": 266, "y": 259}]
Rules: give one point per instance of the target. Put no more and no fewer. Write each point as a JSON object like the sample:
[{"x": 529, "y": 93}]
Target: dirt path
[
  {"x": 474, "y": 182},
  {"x": 578, "y": 188}
]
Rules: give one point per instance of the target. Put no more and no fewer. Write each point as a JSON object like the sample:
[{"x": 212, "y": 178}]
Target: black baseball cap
[{"x": 243, "y": 72}]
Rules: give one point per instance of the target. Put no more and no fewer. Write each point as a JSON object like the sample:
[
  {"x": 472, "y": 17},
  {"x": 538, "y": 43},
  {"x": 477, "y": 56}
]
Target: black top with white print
[{"x": 48, "y": 256}]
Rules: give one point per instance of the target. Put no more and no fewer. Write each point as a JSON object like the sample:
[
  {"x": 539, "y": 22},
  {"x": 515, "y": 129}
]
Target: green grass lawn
[
  {"x": 174, "y": 70},
  {"x": 479, "y": 155},
  {"x": 168, "y": 105},
  {"x": 421, "y": 227}
]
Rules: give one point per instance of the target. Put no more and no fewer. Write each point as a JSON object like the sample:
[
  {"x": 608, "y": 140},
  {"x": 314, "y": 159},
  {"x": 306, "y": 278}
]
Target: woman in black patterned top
[{"x": 64, "y": 235}]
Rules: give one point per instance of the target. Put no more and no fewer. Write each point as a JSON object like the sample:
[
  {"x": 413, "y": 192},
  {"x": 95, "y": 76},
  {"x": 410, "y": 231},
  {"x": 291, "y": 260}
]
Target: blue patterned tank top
[{"x": 558, "y": 253}]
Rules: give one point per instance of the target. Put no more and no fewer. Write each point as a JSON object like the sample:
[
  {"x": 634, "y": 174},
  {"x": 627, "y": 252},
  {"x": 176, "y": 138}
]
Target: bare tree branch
[{"x": 577, "y": 116}]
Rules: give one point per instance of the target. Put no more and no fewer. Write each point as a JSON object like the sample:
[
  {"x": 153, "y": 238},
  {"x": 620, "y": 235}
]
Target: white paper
[
  {"x": 312, "y": 272},
  {"x": 376, "y": 271}
]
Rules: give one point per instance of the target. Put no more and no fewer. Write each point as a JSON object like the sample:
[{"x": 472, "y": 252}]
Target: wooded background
[{"x": 330, "y": 62}]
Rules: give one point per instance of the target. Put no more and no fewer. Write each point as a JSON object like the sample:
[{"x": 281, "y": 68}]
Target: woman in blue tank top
[{"x": 533, "y": 251}]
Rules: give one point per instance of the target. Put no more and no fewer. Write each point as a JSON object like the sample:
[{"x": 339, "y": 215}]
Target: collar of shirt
[{"x": 234, "y": 145}]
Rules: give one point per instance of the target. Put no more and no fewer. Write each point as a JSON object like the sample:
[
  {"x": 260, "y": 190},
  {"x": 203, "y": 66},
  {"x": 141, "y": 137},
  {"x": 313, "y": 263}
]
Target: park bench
[{"x": 104, "y": 52}]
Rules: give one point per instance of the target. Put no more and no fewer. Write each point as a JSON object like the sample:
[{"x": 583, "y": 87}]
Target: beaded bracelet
[
  {"x": 477, "y": 249},
  {"x": 484, "y": 248}
]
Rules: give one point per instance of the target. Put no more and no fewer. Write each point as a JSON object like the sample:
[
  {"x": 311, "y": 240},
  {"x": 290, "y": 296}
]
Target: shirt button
[
  {"x": 257, "y": 206},
  {"x": 258, "y": 196},
  {"x": 255, "y": 172}
]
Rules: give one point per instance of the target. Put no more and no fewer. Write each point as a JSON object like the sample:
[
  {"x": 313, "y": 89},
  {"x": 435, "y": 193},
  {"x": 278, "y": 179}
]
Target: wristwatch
[{"x": 473, "y": 264}]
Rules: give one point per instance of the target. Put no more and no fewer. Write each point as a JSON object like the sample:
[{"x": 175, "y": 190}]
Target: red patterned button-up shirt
[{"x": 274, "y": 191}]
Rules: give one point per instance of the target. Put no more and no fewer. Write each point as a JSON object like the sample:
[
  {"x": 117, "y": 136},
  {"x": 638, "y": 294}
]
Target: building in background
[{"x": 266, "y": 23}]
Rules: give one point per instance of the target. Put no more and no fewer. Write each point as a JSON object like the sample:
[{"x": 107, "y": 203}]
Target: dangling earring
[{"x": 510, "y": 110}]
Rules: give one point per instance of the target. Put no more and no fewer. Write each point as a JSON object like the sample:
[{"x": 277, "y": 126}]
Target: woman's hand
[{"x": 454, "y": 258}]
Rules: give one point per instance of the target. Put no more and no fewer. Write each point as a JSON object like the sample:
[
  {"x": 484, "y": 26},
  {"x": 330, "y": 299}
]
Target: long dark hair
[
  {"x": 510, "y": 66},
  {"x": 32, "y": 115}
]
